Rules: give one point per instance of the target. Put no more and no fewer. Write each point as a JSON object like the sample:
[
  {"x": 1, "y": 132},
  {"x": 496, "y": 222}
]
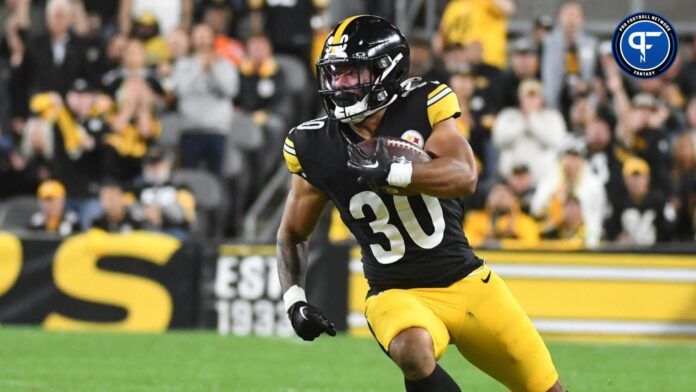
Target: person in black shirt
[
  {"x": 118, "y": 216},
  {"x": 602, "y": 158},
  {"x": 287, "y": 23},
  {"x": 524, "y": 64},
  {"x": 54, "y": 60},
  {"x": 643, "y": 217},
  {"x": 543, "y": 24},
  {"x": 166, "y": 206}
]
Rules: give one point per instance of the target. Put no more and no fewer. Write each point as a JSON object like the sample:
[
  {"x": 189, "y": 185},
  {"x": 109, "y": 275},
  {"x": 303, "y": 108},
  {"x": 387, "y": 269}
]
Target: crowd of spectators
[
  {"x": 102, "y": 100},
  {"x": 112, "y": 96},
  {"x": 571, "y": 150}
]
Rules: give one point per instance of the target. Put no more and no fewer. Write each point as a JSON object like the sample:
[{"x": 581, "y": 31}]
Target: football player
[{"x": 427, "y": 287}]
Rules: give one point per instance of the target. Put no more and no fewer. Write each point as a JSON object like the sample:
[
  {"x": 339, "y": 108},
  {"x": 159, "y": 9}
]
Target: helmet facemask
[{"x": 351, "y": 88}]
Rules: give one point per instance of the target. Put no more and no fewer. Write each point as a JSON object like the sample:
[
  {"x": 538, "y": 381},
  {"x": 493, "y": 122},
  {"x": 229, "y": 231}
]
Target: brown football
[{"x": 397, "y": 148}]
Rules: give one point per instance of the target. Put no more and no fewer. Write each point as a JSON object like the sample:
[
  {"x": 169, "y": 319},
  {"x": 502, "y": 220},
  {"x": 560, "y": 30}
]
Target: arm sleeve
[
  {"x": 442, "y": 104},
  {"x": 290, "y": 154}
]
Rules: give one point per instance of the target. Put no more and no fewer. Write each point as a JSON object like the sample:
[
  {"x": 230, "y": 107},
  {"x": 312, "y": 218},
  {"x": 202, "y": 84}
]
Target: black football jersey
[{"x": 406, "y": 242}]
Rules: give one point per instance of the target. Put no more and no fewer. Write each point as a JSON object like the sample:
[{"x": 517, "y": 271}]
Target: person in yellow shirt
[
  {"x": 485, "y": 21},
  {"x": 501, "y": 220}
]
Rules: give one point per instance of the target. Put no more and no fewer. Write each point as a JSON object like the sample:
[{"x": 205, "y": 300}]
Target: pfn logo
[{"x": 644, "y": 44}]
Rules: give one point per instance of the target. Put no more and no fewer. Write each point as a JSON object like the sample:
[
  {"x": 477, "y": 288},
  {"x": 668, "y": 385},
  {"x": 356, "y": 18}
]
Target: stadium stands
[{"x": 130, "y": 83}]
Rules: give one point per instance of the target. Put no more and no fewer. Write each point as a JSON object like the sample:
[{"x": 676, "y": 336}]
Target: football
[{"x": 397, "y": 149}]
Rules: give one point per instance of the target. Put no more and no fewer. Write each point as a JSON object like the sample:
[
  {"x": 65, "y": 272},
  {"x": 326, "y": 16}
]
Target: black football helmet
[{"x": 364, "y": 62}]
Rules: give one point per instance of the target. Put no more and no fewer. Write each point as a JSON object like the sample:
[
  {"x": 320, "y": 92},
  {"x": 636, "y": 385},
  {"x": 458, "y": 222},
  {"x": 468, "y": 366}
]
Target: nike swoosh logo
[
  {"x": 303, "y": 311},
  {"x": 487, "y": 278},
  {"x": 372, "y": 165}
]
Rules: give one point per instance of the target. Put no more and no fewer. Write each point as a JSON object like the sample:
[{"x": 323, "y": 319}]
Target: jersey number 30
[{"x": 408, "y": 218}]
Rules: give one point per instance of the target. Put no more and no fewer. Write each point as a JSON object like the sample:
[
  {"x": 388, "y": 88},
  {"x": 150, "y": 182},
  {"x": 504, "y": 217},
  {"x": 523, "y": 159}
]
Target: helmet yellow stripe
[{"x": 341, "y": 28}]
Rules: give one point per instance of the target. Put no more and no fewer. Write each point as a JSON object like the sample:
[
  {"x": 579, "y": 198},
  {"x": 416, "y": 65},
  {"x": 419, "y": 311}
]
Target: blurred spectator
[
  {"x": 133, "y": 67},
  {"x": 573, "y": 178},
  {"x": 54, "y": 217},
  {"x": 502, "y": 219},
  {"x": 684, "y": 176},
  {"x": 602, "y": 158},
  {"x": 205, "y": 85},
  {"x": 115, "y": 51},
  {"x": 78, "y": 127},
  {"x": 671, "y": 102},
  {"x": 489, "y": 79},
  {"x": 146, "y": 29},
  {"x": 543, "y": 24},
  {"x": 484, "y": 21},
  {"x": 640, "y": 131},
  {"x": 524, "y": 64},
  {"x": 219, "y": 16},
  {"x": 103, "y": 13},
  {"x": 691, "y": 116},
  {"x": 179, "y": 46},
  {"x": 453, "y": 56},
  {"x": 422, "y": 61},
  {"x": 477, "y": 115},
  {"x": 179, "y": 43},
  {"x": 521, "y": 184},
  {"x": 568, "y": 63},
  {"x": 13, "y": 47},
  {"x": 166, "y": 206},
  {"x": 132, "y": 120},
  {"x": 18, "y": 174},
  {"x": 38, "y": 139},
  {"x": 531, "y": 135},
  {"x": 287, "y": 23},
  {"x": 571, "y": 229},
  {"x": 580, "y": 113},
  {"x": 263, "y": 95},
  {"x": 687, "y": 76},
  {"x": 119, "y": 215},
  {"x": 54, "y": 60},
  {"x": 231, "y": 17},
  {"x": 643, "y": 217},
  {"x": 170, "y": 14}
]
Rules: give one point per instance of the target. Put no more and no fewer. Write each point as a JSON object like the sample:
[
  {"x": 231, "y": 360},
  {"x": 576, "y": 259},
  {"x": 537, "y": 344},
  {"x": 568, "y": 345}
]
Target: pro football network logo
[{"x": 644, "y": 44}]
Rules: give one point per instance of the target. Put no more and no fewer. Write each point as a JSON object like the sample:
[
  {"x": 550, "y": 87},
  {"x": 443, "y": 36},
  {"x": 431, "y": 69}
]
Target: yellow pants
[{"x": 481, "y": 317}]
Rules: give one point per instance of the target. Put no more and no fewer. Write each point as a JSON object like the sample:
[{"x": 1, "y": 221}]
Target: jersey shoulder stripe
[
  {"x": 442, "y": 104},
  {"x": 290, "y": 154},
  {"x": 294, "y": 139}
]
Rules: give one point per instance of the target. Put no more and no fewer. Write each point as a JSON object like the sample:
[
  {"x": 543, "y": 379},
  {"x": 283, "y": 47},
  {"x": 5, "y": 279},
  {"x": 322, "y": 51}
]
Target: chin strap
[{"x": 356, "y": 118}]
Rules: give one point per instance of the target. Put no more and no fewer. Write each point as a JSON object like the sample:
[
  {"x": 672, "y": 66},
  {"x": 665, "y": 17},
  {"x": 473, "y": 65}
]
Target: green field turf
[{"x": 35, "y": 360}]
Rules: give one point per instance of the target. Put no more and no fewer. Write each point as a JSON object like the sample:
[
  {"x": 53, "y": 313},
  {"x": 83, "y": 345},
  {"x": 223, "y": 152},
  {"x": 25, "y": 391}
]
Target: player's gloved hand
[
  {"x": 373, "y": 170},
  {"x": 309, "y": 321}
]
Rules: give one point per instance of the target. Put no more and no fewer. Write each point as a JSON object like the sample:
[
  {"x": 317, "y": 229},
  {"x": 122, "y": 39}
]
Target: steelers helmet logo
[
  {"x": 644, "y": 44},
  {"x": 333, "y": 49},
  {"x": 414, "y": 137}
]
